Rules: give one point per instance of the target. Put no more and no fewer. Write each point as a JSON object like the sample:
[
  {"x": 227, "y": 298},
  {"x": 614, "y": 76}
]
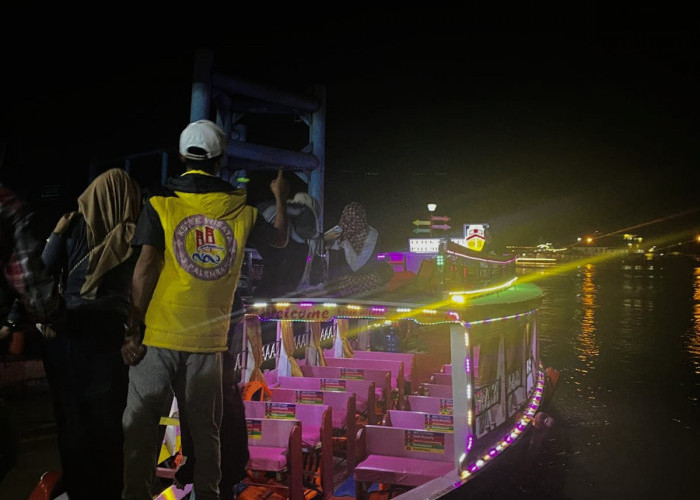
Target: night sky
[{"x": 545, "y": 129}]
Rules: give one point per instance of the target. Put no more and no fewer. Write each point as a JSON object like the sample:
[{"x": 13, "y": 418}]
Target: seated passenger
[{"x": 353, "y": 246}]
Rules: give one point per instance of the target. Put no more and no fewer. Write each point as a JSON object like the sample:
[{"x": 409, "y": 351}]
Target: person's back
[
  {"x": 20, "y": 259},
  {"x": 23, "y": 278},
  {"x": 90, "y": 250},
  {"x": 192, "y": 245}
]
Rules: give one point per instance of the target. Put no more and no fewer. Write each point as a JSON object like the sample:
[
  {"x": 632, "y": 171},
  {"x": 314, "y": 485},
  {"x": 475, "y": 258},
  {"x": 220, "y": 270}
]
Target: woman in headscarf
[
  {"x": 353, "y": 246},
  {"x": 89, "y": 252}
]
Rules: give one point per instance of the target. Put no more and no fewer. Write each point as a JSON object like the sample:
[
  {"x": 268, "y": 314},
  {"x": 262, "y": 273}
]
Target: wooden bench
[
  {"x": 403, "y": 458},
  {"x": 381, "y": 378},
  {"x": 441, "y": 378},
  {"x": 343, "y": 420},
  {"x": 364, "y": 390},
  {"x": 275, "y": 446},
  {"x": 316, "y": 435},
  {"x": 429, "y": 404},
  {"x": 437, "y": 390},
  {"x": 420, "y": 420},
  {"x": 408, "y": 358},
  {"x": 396, "y": 368}
]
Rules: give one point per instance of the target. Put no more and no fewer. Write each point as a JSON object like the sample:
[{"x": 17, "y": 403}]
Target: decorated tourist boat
[{"x": 418, "y": 387}]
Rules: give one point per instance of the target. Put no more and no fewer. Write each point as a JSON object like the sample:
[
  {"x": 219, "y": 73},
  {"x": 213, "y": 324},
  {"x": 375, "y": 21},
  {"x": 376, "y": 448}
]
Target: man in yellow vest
[{"x": 192, "y": 247}]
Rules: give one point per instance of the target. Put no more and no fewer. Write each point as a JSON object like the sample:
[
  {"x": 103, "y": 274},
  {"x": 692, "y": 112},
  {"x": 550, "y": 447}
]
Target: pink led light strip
[{"x": 514, "y": 433}]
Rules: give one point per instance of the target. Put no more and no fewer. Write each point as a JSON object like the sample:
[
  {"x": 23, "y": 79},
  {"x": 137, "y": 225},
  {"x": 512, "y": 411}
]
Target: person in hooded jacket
[
  {"x": 192, "y": 248},
  {"x": 90, "y": 254}
]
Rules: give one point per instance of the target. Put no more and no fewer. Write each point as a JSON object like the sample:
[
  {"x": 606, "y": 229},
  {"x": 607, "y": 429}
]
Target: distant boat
[{"x": 543, "y": 255}]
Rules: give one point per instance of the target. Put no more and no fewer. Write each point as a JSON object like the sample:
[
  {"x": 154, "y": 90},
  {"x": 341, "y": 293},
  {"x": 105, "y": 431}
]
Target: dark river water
[{"x": 626, "y": 341}]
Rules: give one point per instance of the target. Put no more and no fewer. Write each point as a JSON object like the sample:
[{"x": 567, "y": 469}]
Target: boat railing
[{"x": 271, "y": 350}]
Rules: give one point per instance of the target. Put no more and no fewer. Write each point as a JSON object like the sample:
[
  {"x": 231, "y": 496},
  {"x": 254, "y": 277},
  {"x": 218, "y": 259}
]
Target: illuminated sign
[
  {"x": 475, "y": 236},
  {"x": 429, "y": 245}
]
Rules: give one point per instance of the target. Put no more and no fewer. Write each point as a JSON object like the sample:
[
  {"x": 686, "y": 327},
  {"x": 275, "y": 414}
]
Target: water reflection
[
  {"x": 586, "y": 342},
  {"x": 626, "y": 340},
  {"x": 694, "y": 337}
]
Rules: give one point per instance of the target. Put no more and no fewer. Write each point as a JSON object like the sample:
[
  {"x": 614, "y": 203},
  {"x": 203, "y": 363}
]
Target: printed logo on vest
[{"x": 204, "y": 247}]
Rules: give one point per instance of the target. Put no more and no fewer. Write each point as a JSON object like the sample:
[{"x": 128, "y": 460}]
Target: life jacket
[{"x": 256, "y": 390}]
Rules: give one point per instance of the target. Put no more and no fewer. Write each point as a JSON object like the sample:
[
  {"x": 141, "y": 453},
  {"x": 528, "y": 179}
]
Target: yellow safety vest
[{"x": 205, "y": 235}]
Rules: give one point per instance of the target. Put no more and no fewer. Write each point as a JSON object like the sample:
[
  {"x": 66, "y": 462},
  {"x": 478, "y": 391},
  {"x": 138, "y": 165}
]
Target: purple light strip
[{"x": 515, "y": 432}]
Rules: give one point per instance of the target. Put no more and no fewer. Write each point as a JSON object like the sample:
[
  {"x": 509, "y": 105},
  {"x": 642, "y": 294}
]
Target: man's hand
[
  {"x": 280, "y": 186},
  {"x": 133, "y": 350}
]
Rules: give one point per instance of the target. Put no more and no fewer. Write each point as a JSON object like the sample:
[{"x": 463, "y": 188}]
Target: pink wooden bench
[
  {"x": 316, "y": 433},
  {"x": 421, "y": 420},
  {"x": 441, "y": 378},
  {"x": 364, "y": 390},
  {"x": 408, "y": 358},
  {"x": 429, "y": 404},
  {"x": 275, "y": 446},
  {"x": 396, "y": 368},
  {"x": 344, "y": 416},
  {"x": 401, "y": 457},
  {"x": 380, "y": 376},
  {"x": 438, "y": 390}
]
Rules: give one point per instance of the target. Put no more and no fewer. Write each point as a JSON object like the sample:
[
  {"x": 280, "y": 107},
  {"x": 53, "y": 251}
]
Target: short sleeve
[{"x": 149, "y": 229}]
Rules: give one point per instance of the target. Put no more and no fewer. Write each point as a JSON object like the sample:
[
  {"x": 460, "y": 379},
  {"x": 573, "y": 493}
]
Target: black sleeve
[
  {"x": 262, "y": 234},
  {"x": 54, "y": 254},
  {"x": 149, "y": 229}
]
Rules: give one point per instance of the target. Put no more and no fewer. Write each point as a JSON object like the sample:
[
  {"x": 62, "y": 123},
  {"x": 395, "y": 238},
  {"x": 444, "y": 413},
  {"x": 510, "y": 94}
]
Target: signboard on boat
[
  {"x": 310, "y": 397},
  {"x": 430, "y": 442},
  {"x": 429, "y": 245},
  {"x": 440, "y": 423},
  {"x": 352, "y": 373},
  {"x": 254, "y": 428},
  {"x": 285, "y": 411}
]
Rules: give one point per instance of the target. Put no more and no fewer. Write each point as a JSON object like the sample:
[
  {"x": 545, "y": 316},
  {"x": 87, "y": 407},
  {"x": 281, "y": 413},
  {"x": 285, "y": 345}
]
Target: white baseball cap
[{"x": 202, "y": 140}]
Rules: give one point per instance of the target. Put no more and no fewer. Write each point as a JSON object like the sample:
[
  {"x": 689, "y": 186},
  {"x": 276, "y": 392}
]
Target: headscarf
[
  {"x": 353, "y": 221},
  {"x": 110, "y": 206}
]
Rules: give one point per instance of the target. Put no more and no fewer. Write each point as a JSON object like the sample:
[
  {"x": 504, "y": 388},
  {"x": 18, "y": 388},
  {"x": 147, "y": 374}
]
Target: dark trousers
[
  {"x": 233, "y": 435},
  {"x": 88, "y": 383}
]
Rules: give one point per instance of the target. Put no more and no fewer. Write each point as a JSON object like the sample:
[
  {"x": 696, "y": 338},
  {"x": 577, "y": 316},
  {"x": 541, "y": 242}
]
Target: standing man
[
  {"x": 23, "y": 276},
  {"x": 90, "y": 254},
  {"x": 192, "y": 247},
  {"x": 20, "y": 260}
]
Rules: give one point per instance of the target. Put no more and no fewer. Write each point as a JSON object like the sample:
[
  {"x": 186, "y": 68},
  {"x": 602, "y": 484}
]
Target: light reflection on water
[
  {"x": 586, "y": 343},
  {"x": 694, "y": 334},
  {"x": 626, "y": 341}
]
